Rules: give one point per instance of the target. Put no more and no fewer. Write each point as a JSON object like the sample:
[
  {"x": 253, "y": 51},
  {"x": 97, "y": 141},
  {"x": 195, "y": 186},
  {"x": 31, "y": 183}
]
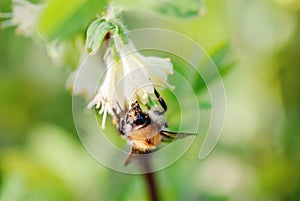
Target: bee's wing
[{"x": 168, "y": 136}]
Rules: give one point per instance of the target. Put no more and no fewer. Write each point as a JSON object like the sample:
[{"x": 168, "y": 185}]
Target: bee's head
[{"x": 136, "y": 117}]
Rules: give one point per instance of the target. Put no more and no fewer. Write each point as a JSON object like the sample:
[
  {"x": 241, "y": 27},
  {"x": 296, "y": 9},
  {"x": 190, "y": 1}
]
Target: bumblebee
[{"x": 144, "y": 131}]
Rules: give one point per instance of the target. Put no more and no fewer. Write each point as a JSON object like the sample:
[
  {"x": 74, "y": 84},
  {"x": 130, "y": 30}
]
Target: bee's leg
[
  {"x": 118, "y": 119},
  {"x": 131, "y": 155},
  {"x": 128, "y": 158},
  {"x": 115, "y": 113},
  {"x": 160, "y": 100},
  {"x": 148, "y": 106}
]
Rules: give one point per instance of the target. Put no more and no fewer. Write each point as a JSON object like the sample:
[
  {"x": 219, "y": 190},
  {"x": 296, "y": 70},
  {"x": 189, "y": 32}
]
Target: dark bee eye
[{"x": 141, "y": 119}]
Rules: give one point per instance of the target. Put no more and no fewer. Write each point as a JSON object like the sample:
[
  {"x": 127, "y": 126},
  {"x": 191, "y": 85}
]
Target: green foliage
[
  {"x": 63, "y": 19},
  {"x": 180, "y": 8},
  {"x": 96, "y": 34},
  {"x": 221, "y": 61},
  {"x": 171, "y": 8}
]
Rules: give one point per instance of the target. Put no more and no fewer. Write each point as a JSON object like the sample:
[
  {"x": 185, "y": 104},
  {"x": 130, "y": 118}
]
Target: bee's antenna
[
  {"x": 160, "y": 100},
  {"x": 119, "y": 105}
]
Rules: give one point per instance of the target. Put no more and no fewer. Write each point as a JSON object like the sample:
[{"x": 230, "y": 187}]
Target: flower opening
[
  {"x": 141, "y": 73},
  {"x": 107, "y": 96}
]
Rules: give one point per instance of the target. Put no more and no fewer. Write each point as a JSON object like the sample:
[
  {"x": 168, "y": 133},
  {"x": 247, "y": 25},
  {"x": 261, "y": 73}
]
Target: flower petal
[
  {"x": 25, "y": 15},
  {"x": 83, "y": 81}
]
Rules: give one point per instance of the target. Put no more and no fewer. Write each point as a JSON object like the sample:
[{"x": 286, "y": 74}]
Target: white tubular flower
[
  {"x": 108, "y": 94},
  {"x": 83, "y": 81},
  {"x": 130, "y": 76},
  {"x": 24, "y": 15},
  {"x": 140, "y": 72},
  {"x": 158, "y": 70}
]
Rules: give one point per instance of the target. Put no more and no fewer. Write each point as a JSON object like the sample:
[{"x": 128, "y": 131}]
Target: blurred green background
[{"x": 257, "y": 157}]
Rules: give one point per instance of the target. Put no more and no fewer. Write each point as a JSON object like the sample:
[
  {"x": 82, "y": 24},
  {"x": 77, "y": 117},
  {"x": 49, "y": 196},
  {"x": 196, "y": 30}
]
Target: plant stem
[
  {"x": 150, "y": 180},
  {"x": 152, "y": 187}
]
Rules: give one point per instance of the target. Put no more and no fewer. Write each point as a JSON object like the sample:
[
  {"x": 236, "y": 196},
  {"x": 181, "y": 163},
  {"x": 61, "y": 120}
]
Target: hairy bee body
[
  {"x": 141, "y": 128},
  {"x": 144, "y": 131}
]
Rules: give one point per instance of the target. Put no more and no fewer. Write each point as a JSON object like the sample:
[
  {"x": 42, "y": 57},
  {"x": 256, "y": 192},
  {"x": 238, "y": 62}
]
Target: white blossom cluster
[
  {"x": 129, "y": 77},
  {"x": 24, "y": 16}
]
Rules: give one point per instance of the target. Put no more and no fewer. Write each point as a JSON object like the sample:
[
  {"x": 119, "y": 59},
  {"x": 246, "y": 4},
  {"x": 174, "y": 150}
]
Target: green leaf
[
  {"x": 93, "y": 27},
  {"x": 66, "y": 18},
  {"x": 221, "y": 59},
  {"x": 220, "y": 54},
  {"x": 205, "y": 105},
  {"x": 175, "y": 8},
  {"x": 181, "y": 8},
  {"x": 96, "y": 34}
]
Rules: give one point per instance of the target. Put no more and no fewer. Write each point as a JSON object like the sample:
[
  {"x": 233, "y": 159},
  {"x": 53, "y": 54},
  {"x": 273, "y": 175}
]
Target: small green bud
[{"x": 96, "y": 34}]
